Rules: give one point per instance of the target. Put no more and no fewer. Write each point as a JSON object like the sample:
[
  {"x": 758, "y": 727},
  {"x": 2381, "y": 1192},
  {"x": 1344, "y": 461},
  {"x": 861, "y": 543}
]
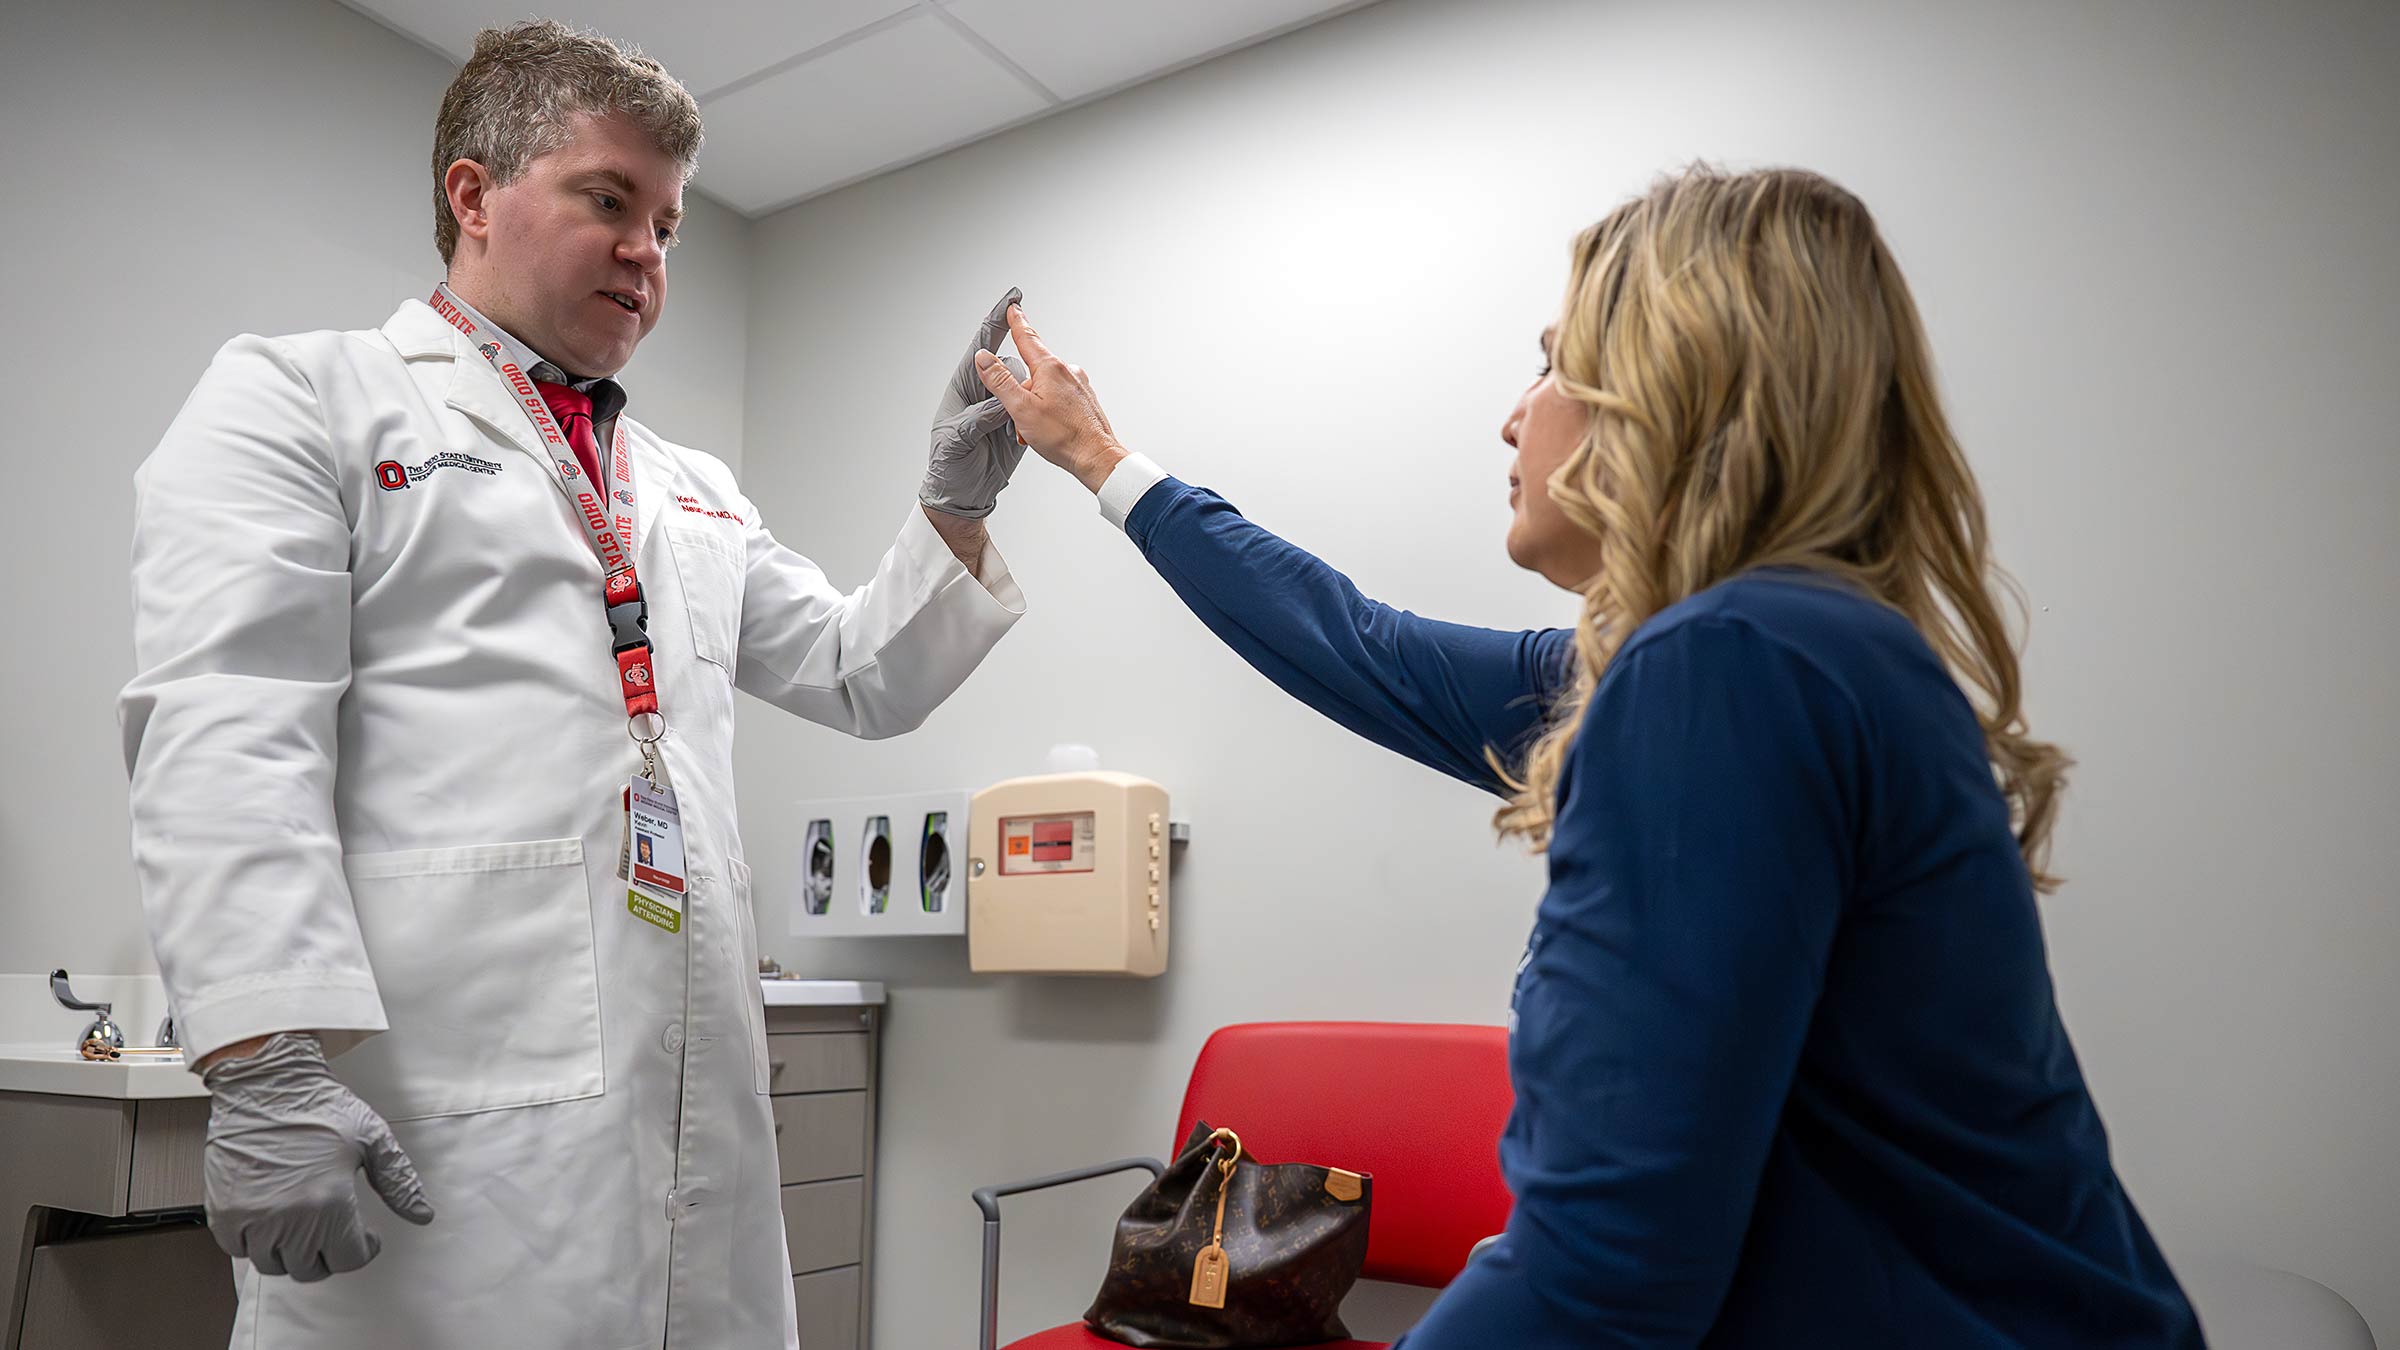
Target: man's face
[{"x": 577, "y": 246}]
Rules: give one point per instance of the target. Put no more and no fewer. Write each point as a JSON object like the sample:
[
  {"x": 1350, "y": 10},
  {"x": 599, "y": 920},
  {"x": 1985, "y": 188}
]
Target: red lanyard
[{"x": 607, "y": 513}]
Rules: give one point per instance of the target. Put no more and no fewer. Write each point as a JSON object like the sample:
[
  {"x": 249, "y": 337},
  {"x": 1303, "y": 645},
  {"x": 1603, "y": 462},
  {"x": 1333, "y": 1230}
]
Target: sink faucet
[{"x": 101, "y": 1028}]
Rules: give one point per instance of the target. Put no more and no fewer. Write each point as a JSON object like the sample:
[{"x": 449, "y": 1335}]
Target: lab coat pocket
[
  {"x": 484, "y": 958},
  {"x": 754, "y": 996},
  {"x": 710, "y": 569}
]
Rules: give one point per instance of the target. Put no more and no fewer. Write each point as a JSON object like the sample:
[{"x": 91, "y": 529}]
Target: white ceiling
[{"x": 804, "y": 96}]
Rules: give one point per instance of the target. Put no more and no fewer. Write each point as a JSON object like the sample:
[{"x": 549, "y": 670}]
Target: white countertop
[
  {"x": 47, "y": 1068},
  {"x": 34, "y": 1056},
  {"x": 37, "y": 1040},
  {"x": 788, "y": 993}
]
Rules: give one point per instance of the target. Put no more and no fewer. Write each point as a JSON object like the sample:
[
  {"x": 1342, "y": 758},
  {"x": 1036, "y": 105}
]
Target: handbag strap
[
  {"x": 1210, "y": 1274},
  {"x": 1224, "y": 1183},
  {"x": 1227, "y": 1165}
]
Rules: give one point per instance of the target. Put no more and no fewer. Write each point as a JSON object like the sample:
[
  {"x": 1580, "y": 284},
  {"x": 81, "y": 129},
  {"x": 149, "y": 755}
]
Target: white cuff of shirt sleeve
[{"x": 1127, "y": 484}]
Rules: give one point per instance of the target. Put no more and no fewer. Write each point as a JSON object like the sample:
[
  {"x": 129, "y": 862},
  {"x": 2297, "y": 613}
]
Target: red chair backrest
[{"x": 1419, "y": 1106}]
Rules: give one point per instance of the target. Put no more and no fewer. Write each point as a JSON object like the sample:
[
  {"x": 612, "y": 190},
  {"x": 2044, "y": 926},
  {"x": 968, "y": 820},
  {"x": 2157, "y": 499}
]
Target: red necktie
[{"x": 573, "y": 409}]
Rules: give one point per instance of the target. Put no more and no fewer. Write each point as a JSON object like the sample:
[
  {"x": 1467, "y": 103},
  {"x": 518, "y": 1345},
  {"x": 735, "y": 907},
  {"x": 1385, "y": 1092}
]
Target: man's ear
[{"x": 469, "y": 186}]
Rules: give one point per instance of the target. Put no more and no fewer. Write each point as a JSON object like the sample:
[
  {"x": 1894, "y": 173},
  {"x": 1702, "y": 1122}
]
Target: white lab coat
[{"x": 377, "y": 750}]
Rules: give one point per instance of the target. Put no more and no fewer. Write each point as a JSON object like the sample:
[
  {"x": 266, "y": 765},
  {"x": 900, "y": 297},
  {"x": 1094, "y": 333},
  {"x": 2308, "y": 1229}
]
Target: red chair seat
[{"x": 1077, "y": 1336}]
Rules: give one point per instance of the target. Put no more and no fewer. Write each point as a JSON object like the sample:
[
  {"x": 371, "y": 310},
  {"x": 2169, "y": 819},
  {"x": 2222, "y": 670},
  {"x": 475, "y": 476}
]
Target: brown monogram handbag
[{"x": 1224, "y": 1252}]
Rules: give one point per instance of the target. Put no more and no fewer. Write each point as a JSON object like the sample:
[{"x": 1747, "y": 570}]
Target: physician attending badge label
[
  {"x": 1064, "y": 843},
  {"x": 654, "y": 828}
]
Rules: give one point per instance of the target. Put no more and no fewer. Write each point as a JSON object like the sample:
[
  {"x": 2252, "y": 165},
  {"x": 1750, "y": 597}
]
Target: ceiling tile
[
  {"x": 1079, "y": 47},
  {"x": 883, "y": 100},
  {"x": 707, "y": 45},
  {"x": 804, "y": 95}
]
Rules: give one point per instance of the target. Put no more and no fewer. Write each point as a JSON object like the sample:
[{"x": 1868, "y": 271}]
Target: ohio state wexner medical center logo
[{"x": 391, "y": 475}]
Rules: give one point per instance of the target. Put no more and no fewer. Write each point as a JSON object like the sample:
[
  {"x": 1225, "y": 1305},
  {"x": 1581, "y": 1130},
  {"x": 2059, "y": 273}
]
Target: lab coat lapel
[
  {"x": 475, "y": 388},
  {"x": 478, "y": 391}
]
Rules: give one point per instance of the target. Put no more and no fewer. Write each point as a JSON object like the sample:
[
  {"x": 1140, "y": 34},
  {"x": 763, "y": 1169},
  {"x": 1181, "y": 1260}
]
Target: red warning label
[{"x": 1048, "y": 844}]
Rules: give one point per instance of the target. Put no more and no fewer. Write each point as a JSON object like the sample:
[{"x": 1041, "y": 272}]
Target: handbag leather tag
[
  {"x": 1208, "y": 1277},
  {"x": 1341, "y": 1185}
]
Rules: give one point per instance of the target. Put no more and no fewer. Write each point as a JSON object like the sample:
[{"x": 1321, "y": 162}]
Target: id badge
[{"x": 653, "y": 859}]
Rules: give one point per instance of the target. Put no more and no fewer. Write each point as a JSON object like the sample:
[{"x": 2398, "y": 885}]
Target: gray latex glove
[
  {"x": 285, "y": 1142},
  {"x": 975, "y": 446}
]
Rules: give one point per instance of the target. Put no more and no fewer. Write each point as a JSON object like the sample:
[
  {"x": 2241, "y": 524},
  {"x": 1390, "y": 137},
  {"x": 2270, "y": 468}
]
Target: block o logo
[
  {"x": 637, "y": 676},
  {"x": 391, "y": 476}
]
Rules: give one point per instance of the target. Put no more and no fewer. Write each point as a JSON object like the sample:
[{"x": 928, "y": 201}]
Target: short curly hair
[{"x": 517, "y": 97}]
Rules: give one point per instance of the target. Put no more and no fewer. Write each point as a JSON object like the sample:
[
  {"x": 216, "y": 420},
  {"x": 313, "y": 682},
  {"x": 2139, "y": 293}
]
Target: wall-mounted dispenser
[
  {"x": 1060, "y": 873},
  {"x": 875, "y": 879},
  {"x": 816, "y": 875},
  {"x": 882, "y": 866},
  {"x": 1067, "y": 874},
  {"x": 933, "y": 863}
]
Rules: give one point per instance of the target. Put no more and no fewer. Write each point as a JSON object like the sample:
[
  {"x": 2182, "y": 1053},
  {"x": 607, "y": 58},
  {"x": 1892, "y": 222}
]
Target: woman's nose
[{"x": 1509, "y": 424}]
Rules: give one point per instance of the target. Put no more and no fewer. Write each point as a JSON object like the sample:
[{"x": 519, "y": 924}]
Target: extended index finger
[{"x": 1029, "y": 343}]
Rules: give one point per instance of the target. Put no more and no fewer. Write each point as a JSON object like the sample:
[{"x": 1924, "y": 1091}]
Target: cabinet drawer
[
  {"x": 163, "y": 1289},
  {"x": 822, "y": 1136},
  {"x": 823, "y": 1223},
  {"x": 168, "y": 1134},
  {"x": 801, "y": 1062},
  {"x": 828, "y": 1304},
  {"x": 814, "y": 1019}
]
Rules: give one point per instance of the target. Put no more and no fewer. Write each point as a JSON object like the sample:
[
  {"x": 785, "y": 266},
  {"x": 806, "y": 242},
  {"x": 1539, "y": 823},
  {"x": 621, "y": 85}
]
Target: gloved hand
[
  {"x": 285, "y": 1142},
  {"x": 975, "y": 446}
]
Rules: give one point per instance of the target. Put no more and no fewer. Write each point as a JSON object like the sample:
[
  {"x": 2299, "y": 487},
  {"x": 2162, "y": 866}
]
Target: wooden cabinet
[
  {"x": 131, "y": 1170},
  {"x": 821, "y": 1067}
]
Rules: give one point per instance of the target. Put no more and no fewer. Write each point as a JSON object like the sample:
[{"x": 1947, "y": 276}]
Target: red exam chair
[{"x": 1419, "y": 1106}]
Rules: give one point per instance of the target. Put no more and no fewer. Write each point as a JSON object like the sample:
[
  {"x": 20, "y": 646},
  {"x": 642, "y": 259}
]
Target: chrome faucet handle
[
  {"x": 66, "y": 997},
  {"x": 166, "y": 1030},
  {"x": 101, "y": 1028}
]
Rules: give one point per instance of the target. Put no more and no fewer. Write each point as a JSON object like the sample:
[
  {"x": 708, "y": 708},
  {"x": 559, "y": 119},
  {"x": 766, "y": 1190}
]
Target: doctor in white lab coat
[{"x": 379, "y": 746}]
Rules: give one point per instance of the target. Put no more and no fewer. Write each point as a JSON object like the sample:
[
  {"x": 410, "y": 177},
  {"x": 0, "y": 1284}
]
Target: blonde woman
[{"x": 1789, "y": 1071}]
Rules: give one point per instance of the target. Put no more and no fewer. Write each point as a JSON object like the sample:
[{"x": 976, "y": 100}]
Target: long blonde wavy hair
[{"x": 1761, "y": 395}]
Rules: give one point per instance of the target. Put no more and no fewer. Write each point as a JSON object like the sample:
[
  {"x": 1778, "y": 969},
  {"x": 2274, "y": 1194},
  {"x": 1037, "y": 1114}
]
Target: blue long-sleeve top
[{"x": 1788, "y": 1067}]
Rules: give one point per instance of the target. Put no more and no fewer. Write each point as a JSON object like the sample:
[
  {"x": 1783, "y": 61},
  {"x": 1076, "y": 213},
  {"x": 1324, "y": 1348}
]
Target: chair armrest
[{"x": 987, "y": 1199}]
